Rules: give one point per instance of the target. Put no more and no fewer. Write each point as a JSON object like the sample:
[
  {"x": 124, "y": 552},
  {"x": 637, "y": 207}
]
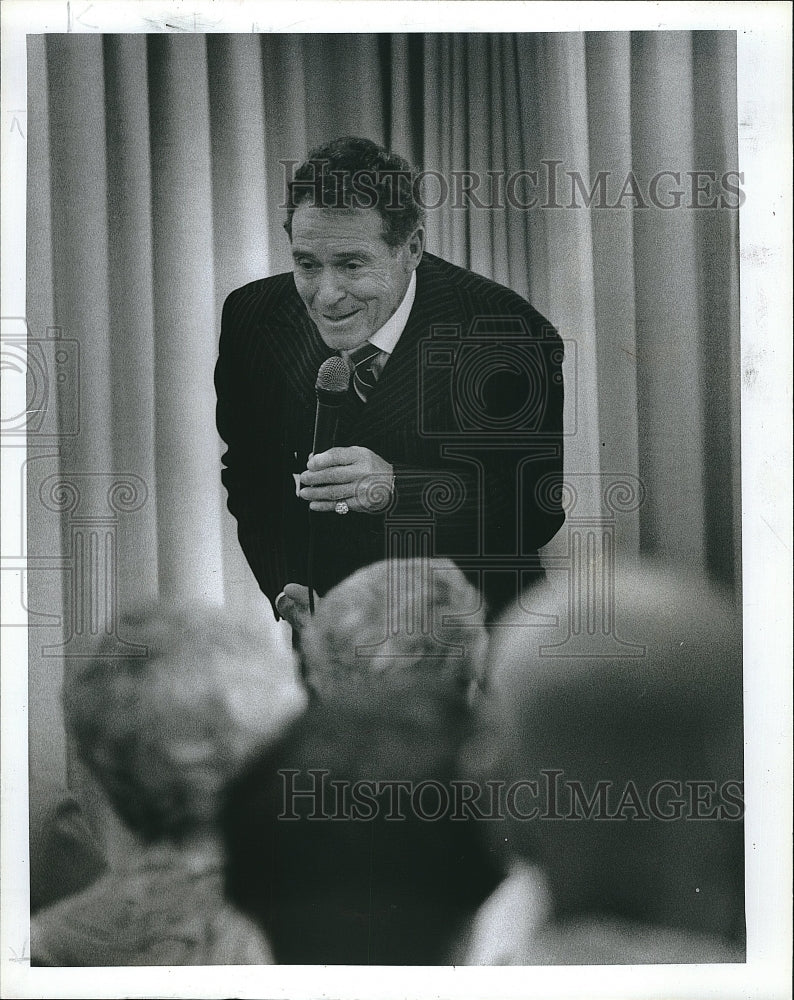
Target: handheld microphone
[{"x": 333, "y": 382}]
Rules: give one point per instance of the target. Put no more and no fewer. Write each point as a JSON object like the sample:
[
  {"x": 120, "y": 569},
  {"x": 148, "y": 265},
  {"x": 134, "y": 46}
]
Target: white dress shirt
[{"x": 387, "y": 336}]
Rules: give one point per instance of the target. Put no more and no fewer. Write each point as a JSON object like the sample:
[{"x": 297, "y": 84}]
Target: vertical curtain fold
[
  {"x": 406, "y": 94},
  {"x": 131, "y": 330},
  {"x": 669, "y": 375},
  {"x": 433, "y": 109},
  {"x": 287, "y": 137},
  {"x": 237, "y": 120},
  {"x": 494, "y": 151},
  {"x": 239, "y": 216},
  {"x": 717, "y": 248},
  {"x": 188, "y": 483},
  {"x": 445, "y": 146},
  {"x": 608, "y": 57},
  {"x": 458, "y": 245},
  {"x": 80, "y": 234},
  {"x": 561, "y": 59},
  {"x": 515, "y": 250},
  {"x": 527, "y": 171},
  {"x": 482, "y": 118}
]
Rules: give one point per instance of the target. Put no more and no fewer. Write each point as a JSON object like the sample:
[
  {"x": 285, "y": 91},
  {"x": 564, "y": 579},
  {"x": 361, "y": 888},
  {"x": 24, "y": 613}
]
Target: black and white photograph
[{"x": 396, "y": 445}]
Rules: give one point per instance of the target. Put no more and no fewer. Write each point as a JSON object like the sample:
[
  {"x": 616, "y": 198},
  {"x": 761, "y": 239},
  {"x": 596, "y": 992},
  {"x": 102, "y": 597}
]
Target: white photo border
[{"x": 765, "y": 155}]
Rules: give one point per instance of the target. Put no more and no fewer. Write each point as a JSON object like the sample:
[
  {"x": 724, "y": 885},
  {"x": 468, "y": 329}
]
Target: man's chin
[{"x": 342, "y": 337}]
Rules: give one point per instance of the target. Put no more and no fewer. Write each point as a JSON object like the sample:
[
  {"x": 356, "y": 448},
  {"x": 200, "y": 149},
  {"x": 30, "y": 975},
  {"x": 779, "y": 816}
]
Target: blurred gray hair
[
  {"x": 163, "y": 731},
  {"x": 413, "y": 623}
]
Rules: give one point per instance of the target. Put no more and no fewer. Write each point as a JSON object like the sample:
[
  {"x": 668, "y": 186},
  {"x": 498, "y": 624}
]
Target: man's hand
[
  {"x": 356, "y": 475},
  {"x": 293, "y": 605}
]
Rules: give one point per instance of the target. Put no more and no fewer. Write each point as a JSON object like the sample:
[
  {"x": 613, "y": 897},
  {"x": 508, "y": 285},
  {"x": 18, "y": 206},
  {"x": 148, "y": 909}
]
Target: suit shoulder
[
  {"x": 253, "y": 313},
  {"x": 485, "y": 297},
  {"x": 261, "y": 292}
]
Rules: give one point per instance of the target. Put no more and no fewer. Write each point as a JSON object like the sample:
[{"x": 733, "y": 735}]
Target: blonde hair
[
  {"x": 164, "y": 727},
  {"x": 409, "y": 622}
]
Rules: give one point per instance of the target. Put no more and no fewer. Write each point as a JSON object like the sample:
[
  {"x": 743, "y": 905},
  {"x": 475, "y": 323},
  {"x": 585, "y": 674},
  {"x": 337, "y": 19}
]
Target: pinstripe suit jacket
[{"x": 468, "y": 410}]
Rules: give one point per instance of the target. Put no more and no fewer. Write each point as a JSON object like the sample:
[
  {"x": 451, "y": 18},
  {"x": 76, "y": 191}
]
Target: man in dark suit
[{"x": 450, "y": 439}]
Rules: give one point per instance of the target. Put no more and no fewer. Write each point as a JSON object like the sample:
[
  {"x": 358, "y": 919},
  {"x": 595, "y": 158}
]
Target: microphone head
[{"x": 333, "y": 379}]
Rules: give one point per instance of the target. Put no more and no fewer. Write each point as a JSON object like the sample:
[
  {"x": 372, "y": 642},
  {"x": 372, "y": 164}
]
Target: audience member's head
[
  {"x": 413, "y": 624},
  {"x": 165, "y": 730},
  {"x": 632, "y": 730},
  {"x": 358, "y": 870}
]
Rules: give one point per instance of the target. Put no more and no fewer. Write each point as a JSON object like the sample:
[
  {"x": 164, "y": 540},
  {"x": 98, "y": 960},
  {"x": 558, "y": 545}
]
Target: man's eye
[
  {"x": 353, "y": 265},
  {"x": 307, "y": 266}
]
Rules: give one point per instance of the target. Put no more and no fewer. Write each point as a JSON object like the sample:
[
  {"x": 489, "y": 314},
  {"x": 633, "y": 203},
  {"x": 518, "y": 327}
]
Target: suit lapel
[
  {"x": 395, "y": 396},
  {"x": 299, "y": 351},
  {"x": 297, "y": 347}
]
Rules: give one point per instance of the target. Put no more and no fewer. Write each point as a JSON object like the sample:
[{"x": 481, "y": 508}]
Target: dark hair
[
  {"x": 351, "y": 172},
  {"x": 331, "y": 888}
]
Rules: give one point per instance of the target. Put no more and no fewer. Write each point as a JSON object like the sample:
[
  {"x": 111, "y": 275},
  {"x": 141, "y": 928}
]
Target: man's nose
[{"x": 330, "y": 288}]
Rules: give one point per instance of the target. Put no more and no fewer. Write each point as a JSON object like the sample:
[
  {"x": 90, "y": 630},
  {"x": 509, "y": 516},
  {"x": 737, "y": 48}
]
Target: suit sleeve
[{"x": 248, "y": 423}]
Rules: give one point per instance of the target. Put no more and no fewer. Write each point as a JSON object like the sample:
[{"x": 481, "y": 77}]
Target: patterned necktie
[{"x": 366, "y": 369}]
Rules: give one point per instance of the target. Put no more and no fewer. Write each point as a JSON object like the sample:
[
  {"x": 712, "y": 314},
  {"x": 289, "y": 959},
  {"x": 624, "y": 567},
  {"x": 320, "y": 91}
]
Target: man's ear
[{"x": 416, "y": 246}]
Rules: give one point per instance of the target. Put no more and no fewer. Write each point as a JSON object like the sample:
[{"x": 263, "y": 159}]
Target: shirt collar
[{"x": 386, "y": 338}]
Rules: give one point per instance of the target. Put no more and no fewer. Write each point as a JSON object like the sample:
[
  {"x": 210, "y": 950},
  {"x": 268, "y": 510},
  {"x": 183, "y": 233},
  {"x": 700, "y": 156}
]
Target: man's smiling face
[{"x": 351, "y": 281}]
